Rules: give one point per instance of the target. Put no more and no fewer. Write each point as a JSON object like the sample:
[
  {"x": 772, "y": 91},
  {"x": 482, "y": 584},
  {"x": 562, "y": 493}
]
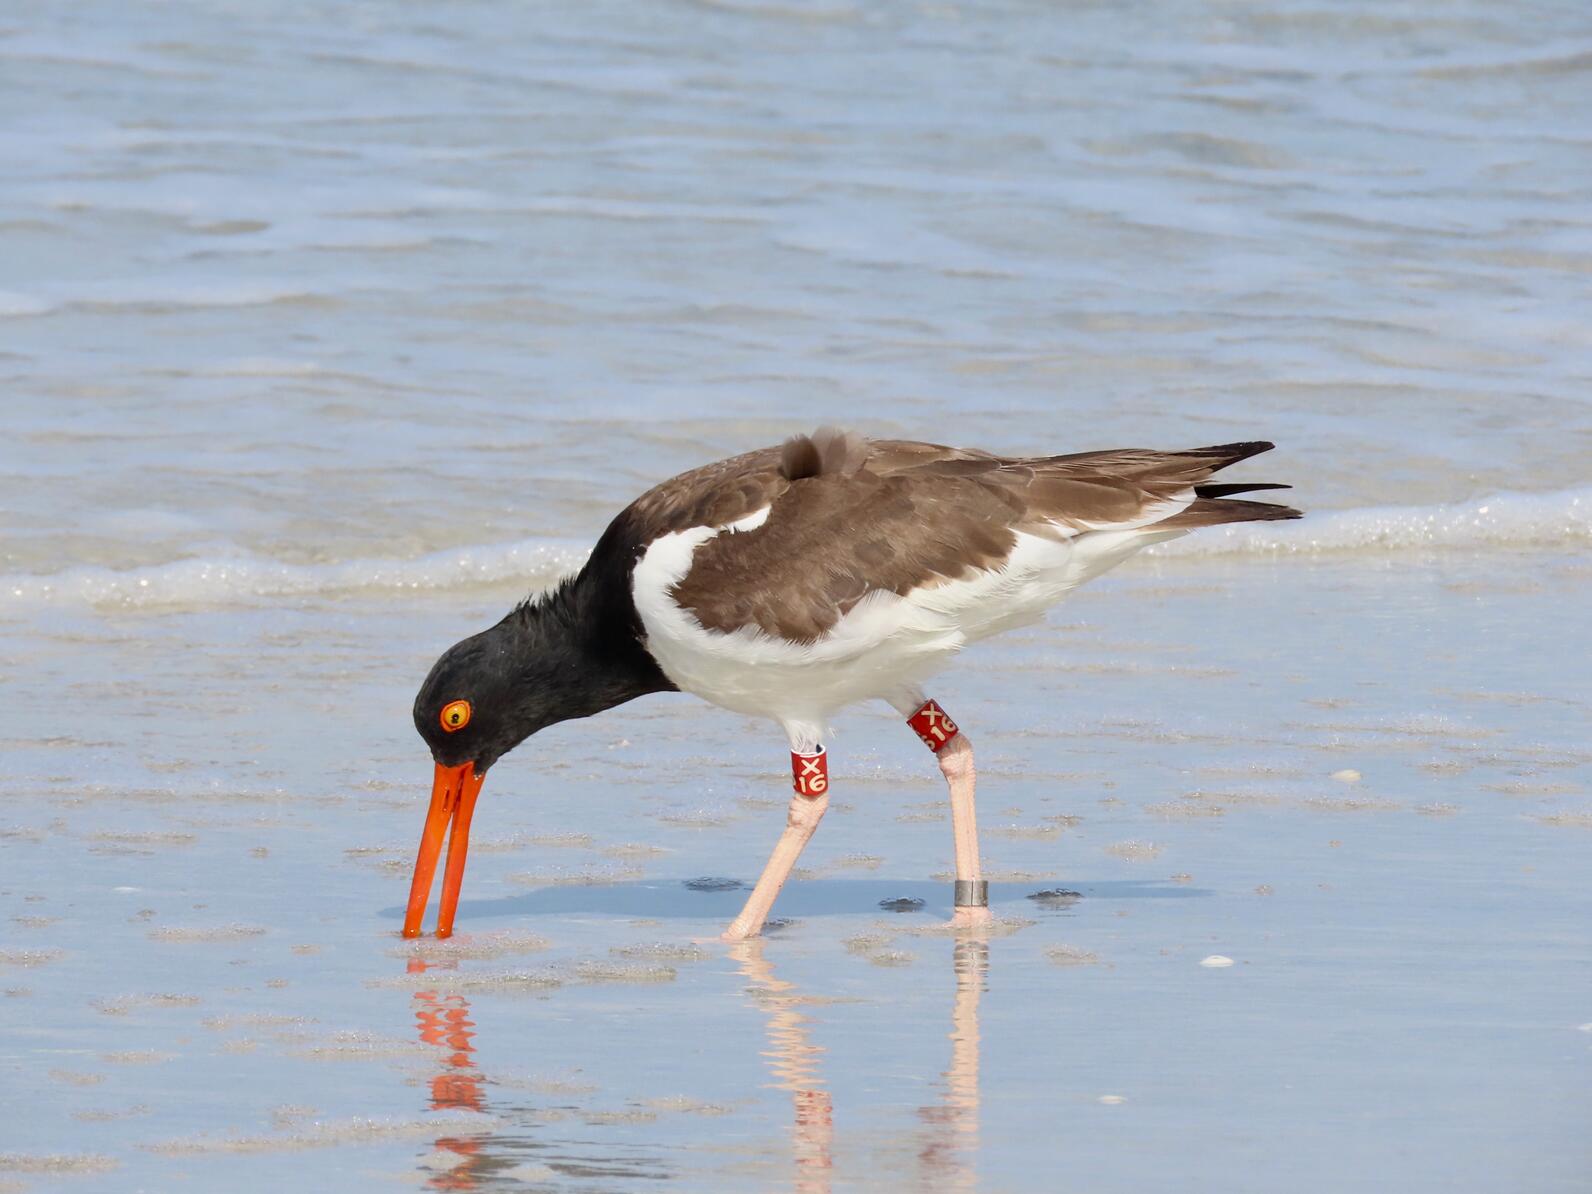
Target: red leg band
[
  {"x": 810, "y": 773},
  {"x": 933, "y": 725}
]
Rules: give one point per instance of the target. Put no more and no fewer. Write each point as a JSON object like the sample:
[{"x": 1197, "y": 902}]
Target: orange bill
[{"x": 453, "y": 793}]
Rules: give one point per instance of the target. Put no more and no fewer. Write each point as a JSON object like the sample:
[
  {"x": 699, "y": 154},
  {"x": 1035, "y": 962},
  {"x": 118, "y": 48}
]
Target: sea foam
[
  {"x": 1557, "y": 519},
  {"x": 534, "y": 563}
]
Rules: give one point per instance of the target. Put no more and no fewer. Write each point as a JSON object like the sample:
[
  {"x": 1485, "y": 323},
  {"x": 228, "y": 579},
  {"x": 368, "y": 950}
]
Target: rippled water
[
  {"x": 328, "y": 330},
  {"x": 308, "y": 284}
]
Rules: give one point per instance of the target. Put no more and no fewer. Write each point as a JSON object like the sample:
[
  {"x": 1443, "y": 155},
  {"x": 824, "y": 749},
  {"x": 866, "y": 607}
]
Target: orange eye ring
[{"x": 455, "y": 716}]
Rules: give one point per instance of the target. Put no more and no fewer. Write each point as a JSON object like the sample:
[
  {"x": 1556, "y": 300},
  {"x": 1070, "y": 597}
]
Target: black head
[
  {"x": 483, "y": 698},
  {"x": 545, "y": 662},
  {"x": 571, "y": 653},
  {"x": 480, "y": 701}
]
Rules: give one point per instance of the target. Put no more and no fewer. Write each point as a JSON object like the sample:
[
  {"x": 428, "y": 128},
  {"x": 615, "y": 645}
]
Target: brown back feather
[{"x": 848, "y": 517}]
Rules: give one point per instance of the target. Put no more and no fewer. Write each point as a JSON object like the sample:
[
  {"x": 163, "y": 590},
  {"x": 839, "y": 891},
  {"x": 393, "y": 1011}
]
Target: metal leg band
[{"x": 972, "y": 893}]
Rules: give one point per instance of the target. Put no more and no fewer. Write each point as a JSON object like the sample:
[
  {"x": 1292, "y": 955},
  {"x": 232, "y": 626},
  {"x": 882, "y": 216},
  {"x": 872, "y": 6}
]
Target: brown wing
[{"x": 848, "y": 517}]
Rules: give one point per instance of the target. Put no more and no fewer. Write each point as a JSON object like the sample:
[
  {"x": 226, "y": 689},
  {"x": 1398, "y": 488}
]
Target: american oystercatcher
[{"x": 791, "y": 582}]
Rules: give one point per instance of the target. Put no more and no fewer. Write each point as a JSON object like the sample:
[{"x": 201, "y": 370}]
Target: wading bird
[{"x": 791, "y": 582}]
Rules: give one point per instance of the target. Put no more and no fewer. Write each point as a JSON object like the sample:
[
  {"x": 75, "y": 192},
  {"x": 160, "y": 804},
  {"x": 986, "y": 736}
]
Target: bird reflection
[
  {"x": 794, "y": 1061},
  {"x": 444, "y": 1020},
  {"x": 948, "y": 1135},
  {"x": 950, "y": 1140},
  {"x": 950, "y": 1126}
]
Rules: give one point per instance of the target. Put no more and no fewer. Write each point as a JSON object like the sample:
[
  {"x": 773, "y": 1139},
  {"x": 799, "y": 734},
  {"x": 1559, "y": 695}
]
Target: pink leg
[
  {"x": 807, "y": 808},
  {"x": 954, "y": 752}
]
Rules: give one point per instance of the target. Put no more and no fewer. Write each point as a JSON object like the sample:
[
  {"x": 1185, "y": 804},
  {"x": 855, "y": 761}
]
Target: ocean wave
[
  {"x": 132, "y": 296},
  {"x": 14, "y": 304},
  {"x": 157, "y": 295},
  {"x": 534, "y": 563},
  {"x": 1562, "y": 518}
]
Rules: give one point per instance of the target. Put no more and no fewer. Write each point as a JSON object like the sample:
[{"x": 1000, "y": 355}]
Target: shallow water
[
  {"x": 329, "y": 332},
  {"x": 369, "y": 284},
  {"x": 204, "y": 884}
]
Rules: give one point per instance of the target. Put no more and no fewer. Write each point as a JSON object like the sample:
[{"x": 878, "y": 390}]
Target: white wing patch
[{"x": 752, "y": 521}]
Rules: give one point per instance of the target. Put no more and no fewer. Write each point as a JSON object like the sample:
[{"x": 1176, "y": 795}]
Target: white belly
[{"x": 885, "y": 647}]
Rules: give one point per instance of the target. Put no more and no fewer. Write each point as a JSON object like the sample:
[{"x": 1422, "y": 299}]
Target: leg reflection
[
  {"x": 793, "y": 1060},
  {"x": 445, "y": 1020},
  {"x": 950, "y": 1143}
]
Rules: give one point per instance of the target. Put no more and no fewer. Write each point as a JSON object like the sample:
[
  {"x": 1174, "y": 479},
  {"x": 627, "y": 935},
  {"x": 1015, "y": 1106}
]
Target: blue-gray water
[{"x": 327, "y": 331}]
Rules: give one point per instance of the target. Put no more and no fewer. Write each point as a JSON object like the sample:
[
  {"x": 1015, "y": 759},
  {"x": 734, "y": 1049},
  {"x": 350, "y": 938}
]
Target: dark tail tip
[
  {"x": 1232, "y": 453},
  {"x": 1217, "y": 491}
]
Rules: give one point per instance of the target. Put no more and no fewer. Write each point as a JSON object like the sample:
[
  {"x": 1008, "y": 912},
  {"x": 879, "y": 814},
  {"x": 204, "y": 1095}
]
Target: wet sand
[{"x": 1365, "y": 786}]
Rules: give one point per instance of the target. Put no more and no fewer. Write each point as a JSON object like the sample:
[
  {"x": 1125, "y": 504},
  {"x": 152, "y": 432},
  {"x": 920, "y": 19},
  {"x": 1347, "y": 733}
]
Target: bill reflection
[{"x": 444, "y": 1020}]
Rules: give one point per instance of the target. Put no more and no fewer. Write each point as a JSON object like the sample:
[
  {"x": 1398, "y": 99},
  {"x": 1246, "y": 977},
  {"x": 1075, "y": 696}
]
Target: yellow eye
[{"x": 455, "y": 715}]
